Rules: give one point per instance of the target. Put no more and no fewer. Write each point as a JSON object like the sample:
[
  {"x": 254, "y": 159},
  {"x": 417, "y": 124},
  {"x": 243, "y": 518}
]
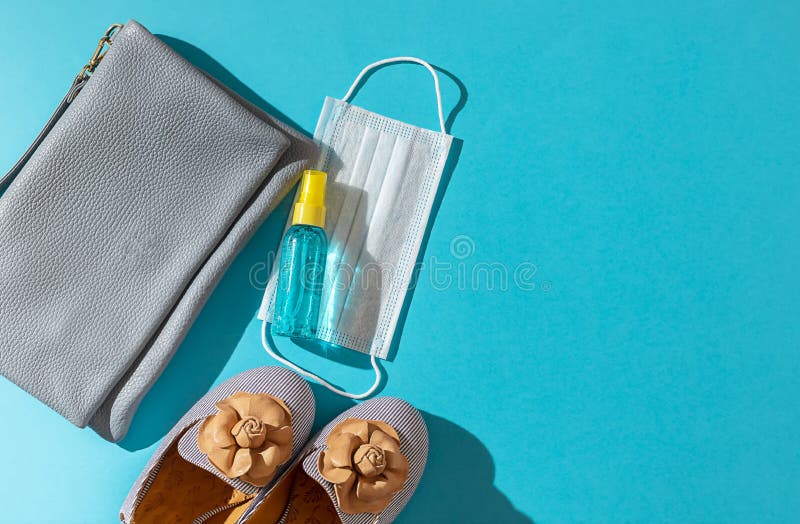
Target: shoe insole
[
  {"x": 181, "y": 492},
  {"x": 307, "y": 502}
]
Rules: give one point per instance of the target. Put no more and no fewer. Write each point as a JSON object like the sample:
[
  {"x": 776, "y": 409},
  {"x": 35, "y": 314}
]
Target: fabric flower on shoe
[
  {"x": 364, "y": 463},
  {"x": 249, "y": 438}
]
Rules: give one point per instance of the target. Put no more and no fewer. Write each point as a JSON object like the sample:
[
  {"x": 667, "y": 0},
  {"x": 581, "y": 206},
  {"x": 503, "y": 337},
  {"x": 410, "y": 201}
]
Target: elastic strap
[
  {"x": 273, "y": 353},
  {"x": 419, "y": 61}
]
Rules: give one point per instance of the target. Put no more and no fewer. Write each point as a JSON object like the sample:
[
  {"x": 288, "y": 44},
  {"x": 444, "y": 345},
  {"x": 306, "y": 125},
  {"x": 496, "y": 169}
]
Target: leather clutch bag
[{"x": 120, "y": 219}]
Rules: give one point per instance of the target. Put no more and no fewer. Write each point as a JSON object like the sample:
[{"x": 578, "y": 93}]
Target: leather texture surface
[
  {"x": 74, "y": 89},
  {"x": 123, "y": 220}
]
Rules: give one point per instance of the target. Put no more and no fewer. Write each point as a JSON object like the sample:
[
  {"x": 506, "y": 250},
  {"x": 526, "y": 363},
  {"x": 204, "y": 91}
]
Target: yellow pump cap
[{"x": 310, "y": 206}]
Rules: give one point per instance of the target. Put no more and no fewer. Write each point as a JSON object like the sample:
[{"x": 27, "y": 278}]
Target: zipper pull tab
[{"x": 99, "y": 52}]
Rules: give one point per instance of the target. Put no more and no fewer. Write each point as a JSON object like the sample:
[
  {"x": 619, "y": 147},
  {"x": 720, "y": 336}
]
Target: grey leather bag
[{"x": 119, "y": 221}]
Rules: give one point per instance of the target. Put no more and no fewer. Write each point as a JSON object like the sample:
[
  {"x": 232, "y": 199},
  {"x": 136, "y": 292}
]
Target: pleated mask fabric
[{"x": 383, "y": 176}]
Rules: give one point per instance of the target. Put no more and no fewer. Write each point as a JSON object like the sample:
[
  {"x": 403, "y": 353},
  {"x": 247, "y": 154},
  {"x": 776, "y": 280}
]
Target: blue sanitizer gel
[{"x": 301, "y": 270}]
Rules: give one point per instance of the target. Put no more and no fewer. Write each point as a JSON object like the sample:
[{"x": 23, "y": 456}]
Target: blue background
[{"x": 644, "y": 157}]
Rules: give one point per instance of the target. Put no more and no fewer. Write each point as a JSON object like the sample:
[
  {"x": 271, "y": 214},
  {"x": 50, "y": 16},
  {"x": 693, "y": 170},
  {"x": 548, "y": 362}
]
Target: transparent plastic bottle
[{"x": 301, "y": 270}]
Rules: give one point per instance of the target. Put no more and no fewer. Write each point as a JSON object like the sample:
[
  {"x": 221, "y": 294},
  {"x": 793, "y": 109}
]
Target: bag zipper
[
  {"x": 151, "y": 477},
  {"x": 208, "y": 514}
]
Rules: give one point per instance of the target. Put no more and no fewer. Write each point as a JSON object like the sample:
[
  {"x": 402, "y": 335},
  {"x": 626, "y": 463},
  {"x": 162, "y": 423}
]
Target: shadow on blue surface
[{"x": 458, "y": 484}]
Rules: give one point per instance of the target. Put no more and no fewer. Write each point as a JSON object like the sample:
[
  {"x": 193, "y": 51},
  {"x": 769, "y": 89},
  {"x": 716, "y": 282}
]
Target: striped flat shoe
[
  {"x": 226, "y": 452},
  {"x": 362, "y": 468}
]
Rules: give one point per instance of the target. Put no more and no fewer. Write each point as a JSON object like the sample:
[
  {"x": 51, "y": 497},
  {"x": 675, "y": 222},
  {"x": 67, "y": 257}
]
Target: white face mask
[{"x": 383, "y": 178}]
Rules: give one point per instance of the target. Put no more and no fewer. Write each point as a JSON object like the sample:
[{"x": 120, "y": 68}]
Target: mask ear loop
[
  {"x": 265, "y": 342},
  {"x": 415, "y": 60}
]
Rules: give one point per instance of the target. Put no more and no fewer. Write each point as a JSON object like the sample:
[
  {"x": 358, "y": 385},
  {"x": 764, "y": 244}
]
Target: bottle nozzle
[{"x": 310, "y": 206}]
